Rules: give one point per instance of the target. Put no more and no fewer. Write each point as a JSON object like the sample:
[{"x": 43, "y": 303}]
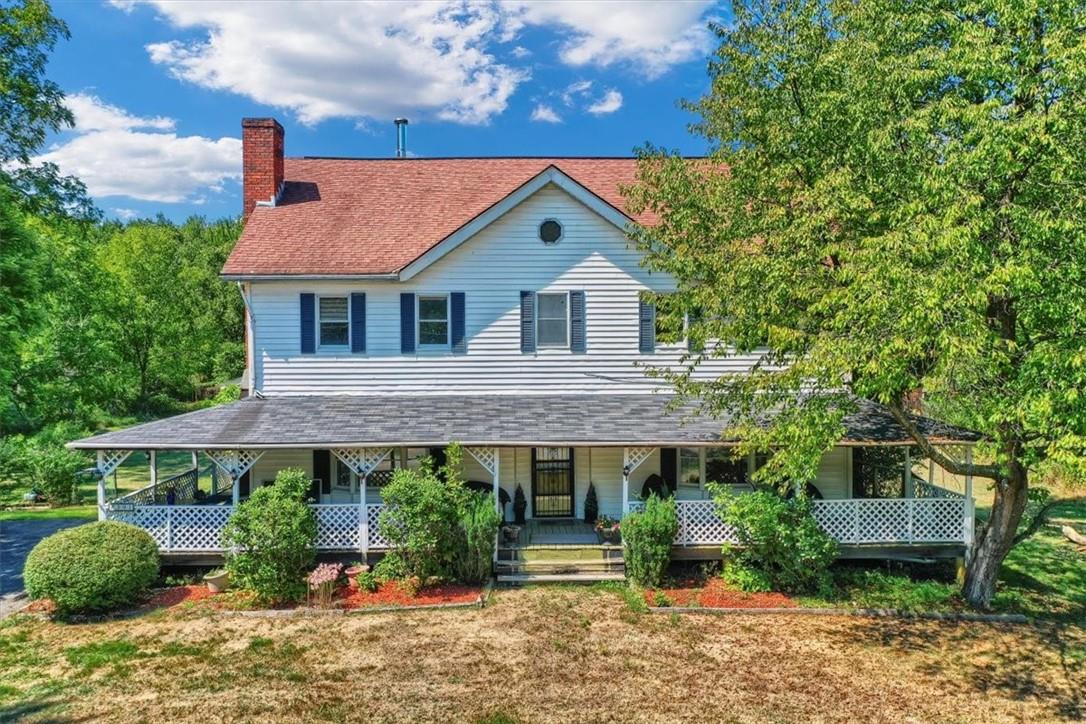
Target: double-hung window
[
  {"x": 552, "y": 319},
  {"x": 690, "y": 468},
  {"x": 334, "y": 322},
  {"x": 669, "y": 321},
  {"x": 433, "y": 320}
]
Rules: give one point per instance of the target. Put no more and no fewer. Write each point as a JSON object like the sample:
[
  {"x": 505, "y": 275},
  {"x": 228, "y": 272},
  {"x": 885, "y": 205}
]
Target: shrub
[
  {"x": 478, "y": 526},
  {"x": 780, "y": 546},
  {"x": 269, "y": 539},
  {"x": 43, "y": 463},
  {"x": 648, "y": 535},
  {"x": 92, "y": 568},
  {"x": 436, "y": 526},
  {"x": 368, "y": 581},
  {"x": 591, "y": 505}
]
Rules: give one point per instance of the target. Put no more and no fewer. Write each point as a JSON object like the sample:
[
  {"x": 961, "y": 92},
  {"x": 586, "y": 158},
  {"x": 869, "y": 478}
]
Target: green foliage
[
  {"x": 96, "y": 654},
  {"x": 591, "y": 505},
  {"x": 906, "y": 588},
  {"x": 435, "y": 525},
  {"x": 914, "y": 250},
  {"x": 42, "y": 463},
  {"x": 780, "y": 546},
  {"x": 368, "y": 581},
  {"x": 478, "y": 526},
  {"x": 229, "y": 393},
  {"x": 269, "y": 539},
  {"x": 648, "y": 535},
  {"x": 92, "y": 568},
  {"x": 391, "y": 567}
]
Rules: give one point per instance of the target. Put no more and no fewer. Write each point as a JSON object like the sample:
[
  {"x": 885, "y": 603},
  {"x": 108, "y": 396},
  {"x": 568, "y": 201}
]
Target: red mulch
[
  {"x": 166, "y": 597},
  {"x": 392, "y": 593},
  {"x": 715, "y": 593}
]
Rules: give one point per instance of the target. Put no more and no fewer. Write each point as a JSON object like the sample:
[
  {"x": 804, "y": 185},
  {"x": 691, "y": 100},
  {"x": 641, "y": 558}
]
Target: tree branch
[
  {"x": 943, "y": 460},
  {"x": 1037, "y": 522}
]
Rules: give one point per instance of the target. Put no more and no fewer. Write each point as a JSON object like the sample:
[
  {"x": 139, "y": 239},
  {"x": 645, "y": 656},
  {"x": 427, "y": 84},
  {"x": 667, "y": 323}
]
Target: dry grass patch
[{"x": 542, "y": 654}]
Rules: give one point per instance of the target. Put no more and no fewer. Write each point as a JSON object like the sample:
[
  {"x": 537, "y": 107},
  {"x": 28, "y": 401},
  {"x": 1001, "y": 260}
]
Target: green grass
[
  {"x": 84, "y": 512},
  {"x": 905, "y": 587},
  {"x": 93, "y": 656}
]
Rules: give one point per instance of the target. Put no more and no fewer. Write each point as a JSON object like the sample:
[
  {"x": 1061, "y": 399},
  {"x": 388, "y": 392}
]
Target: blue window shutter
[
  {"x": 457, "y": 324},
  {"x": 308, "y": 324},
  {"x": 407, "y": 323},
  {"x": 646, "y": 327},
  {"x": 358, "y": 322},
  {"x": 576, "y": 322},
  {"x": 527, "y": 321}
]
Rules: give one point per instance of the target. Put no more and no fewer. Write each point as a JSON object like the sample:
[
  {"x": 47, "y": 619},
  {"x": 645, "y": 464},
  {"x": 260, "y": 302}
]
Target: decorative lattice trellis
[
  {"x": 377, "y": 541},
  {"x": 179, "y": 528},
  {"x": 632, "y": 457},
  {"x": 940, "y": 520},
  {"x": 362, "y": 460},
  {"x": 234, "y": 463},
  {"x": 337, "y": 526},
  {"x": 487, "y": 457},
  {"x": 700, "y": 525},
  {"x": 893, "y": 520},
  {"x": 838, "y": 518},
  {"x": 110, "y": 460}
]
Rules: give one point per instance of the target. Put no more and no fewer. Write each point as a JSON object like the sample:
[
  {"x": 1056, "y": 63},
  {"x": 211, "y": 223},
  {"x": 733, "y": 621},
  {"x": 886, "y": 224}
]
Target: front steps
[{"x": 559, "y": 563}]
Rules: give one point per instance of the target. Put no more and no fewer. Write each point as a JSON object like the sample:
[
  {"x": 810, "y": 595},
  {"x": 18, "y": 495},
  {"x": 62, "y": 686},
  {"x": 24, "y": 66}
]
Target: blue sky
[{"x": 159, "y": 89}]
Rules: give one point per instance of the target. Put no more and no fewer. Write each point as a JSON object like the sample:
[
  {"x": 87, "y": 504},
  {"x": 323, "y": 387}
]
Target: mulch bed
[
  {"x": 715, "y": 593},
  {"x": 392, "y": 593}
]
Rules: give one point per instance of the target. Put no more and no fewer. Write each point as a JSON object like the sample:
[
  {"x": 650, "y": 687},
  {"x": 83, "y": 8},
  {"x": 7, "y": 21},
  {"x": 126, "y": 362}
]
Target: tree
[
  {"x": 20, "y": 281},
  {"x": 31, "y": 106},
  {"x": 895, "y": 200}
]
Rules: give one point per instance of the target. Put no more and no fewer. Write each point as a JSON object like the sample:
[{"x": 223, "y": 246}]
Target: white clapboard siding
[{"x": 491, "y": 269}]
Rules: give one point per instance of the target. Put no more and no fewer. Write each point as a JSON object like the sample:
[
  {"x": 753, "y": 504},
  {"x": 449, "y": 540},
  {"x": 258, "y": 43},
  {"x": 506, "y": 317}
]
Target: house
[{"x": 396, "y": 305}]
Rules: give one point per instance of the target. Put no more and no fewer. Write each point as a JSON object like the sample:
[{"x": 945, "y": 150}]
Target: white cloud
[
  {"x": 651, "y": 36},
  {"x": 117, "y": 154},
  {"x": 575, "y": 90},
  {"x": 611, "y": 102},
  {"x": 125, "y": 214},
  {"x": 545, "y": 114},
  {"x": 430, "y": 59}
]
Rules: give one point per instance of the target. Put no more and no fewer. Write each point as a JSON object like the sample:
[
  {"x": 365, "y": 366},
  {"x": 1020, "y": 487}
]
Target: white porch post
[
  {"x": 625, "y": 482},
  {"x": 970, "y": 517},
  {"x": 363, "y": 519},
  {"x": 101, "y": 486},
  {"x": 195, "y": 460},
  {"x": 152, "y": 463},
  {"x": 497, "y": 499},
  {"x": 235, "y": 484},
  {"x": 908, "y": 473}
]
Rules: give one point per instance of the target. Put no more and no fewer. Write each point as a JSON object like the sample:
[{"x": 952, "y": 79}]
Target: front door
[{"x": 552, "y": 482}]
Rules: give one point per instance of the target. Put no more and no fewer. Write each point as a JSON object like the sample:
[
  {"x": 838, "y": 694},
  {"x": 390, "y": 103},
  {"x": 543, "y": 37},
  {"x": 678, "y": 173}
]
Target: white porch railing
[
  {"x": 858, "y": 521},
  {"x": 198, "y": 528}
]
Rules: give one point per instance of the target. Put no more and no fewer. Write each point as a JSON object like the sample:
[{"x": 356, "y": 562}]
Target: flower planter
[
  {"x": 609, "y": 535},
  {"x": 352, "y": 574},
  {"x": 217, "y": 581},
  {"x": 511, "y": 533}
]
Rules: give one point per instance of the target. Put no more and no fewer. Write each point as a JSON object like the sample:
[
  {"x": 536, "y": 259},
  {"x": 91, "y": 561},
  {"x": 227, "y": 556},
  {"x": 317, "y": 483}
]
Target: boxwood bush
[
  {"x": 647, "y": 536},
  {"x": 92, "y": 568}
]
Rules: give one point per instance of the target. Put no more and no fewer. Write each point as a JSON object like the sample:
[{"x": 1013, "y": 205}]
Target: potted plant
[
  {"x": 520, "y": 504},
  {"x": 353, "y": 571},
  {"x": 510, "y": 533},
  {"x": 217, "y": 580},
  {"x": 607, "y": 528}
]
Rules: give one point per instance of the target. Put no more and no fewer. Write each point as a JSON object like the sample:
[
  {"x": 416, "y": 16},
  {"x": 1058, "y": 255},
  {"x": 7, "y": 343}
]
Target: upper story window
[
  {"x": 434, "y": 320},
  {"x": 334, "y": 323},
  {"x": 552, "y": 319},
  {"x": 670, "y": 323},
  {"x": 550, "y": 231}
]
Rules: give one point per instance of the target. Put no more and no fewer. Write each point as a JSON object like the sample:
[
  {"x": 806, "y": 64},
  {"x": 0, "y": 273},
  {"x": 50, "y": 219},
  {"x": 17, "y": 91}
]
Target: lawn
[{"x": 540, "y": 654}]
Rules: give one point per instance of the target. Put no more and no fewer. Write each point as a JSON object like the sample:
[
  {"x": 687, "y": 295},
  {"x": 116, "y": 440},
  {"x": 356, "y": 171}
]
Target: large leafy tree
[{"x": 895, "y": 200}]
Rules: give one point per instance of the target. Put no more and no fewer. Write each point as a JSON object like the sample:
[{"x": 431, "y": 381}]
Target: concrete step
[
  {"x": 558, "y": 566},
  {"x": 521, "y": 579},
  {"x": 560, "y": 553}
]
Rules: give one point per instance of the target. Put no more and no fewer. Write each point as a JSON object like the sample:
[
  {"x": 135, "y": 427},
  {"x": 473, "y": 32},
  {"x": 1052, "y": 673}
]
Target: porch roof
[{"x": 480, "y": 420}]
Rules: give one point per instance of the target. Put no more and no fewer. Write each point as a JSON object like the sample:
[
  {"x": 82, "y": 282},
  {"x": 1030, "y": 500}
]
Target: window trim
[
  {"x": 317, "y": 315},
  {"x": 540, "y": 345},
  {"x": 352, "y": 483},
  {"x": 702, "y": 460},
  {"x": 420, "y": 346}
]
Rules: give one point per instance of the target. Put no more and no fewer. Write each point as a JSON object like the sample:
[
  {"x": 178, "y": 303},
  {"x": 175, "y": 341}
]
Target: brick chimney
[{"x": 261, "y": 161}]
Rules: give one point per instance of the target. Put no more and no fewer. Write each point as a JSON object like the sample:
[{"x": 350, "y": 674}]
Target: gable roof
[{"x": 374, "y": 217}]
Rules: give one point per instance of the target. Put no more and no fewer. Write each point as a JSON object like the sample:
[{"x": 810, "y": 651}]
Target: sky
[{"x": 159, "y": 88}]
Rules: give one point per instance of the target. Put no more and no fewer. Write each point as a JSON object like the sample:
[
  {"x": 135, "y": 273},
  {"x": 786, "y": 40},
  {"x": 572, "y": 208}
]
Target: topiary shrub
[
  {"x": 92, "y": 568},
  {"x": 780, "y": 546},
  {"x": 647, "y": 536},
  {"x": 269, "y": 539},
  {"x": 591, "y": 505}
]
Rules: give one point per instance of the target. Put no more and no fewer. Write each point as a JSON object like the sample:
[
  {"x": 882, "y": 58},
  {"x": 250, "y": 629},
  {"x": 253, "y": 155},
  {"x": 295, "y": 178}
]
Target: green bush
[
  {"x": 780, "y": 546},
  {"x": 647, "y": 536},
  {"x": 269, "y": 539},
  {"x": 436, "y": 526},
  {"x": 478, "y": 526},
  {"x": 41, "y": 462},
  {"x": 92, "y": 568}
]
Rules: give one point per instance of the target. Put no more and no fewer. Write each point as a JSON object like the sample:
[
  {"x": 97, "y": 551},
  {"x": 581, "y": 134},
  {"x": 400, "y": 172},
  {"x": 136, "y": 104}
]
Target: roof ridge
[{"x": 470, "y": 158}]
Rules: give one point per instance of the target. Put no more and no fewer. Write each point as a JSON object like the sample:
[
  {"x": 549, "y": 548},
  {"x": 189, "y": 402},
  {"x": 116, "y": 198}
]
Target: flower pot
[
  {"x": 610, "y": 535},
  {"x": 352, "y": 574},
  {"x": 511, "y": 533},
  {"x": 217, "y": 581}
]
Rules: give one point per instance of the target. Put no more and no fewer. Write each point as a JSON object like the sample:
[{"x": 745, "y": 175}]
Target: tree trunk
[{"x": 996, "y": 538}]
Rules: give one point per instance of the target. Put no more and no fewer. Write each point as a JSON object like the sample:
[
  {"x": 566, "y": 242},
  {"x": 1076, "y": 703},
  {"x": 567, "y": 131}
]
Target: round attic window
[{"x": 550, "y": 231}]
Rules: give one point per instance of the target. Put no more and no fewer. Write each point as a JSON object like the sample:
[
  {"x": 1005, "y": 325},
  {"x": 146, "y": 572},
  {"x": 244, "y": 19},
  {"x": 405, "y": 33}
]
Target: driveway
[{"x": 17, "y": 537}]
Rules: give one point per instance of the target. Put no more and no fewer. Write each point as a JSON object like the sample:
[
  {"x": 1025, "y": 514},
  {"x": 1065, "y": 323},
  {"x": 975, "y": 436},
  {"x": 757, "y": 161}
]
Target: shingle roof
[
  {"x": 322, "y": 421},
  {"x": 375, "y": 216}
]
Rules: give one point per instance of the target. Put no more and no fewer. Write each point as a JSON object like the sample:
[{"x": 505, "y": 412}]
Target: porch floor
[{"x": 564, "y": 531}]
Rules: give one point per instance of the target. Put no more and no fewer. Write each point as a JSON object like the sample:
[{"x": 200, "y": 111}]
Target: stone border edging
[{"x": 866, "y": 612}]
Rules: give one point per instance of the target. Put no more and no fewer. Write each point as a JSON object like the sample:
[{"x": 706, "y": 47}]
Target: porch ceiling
[{"x": 503, "y": 420}]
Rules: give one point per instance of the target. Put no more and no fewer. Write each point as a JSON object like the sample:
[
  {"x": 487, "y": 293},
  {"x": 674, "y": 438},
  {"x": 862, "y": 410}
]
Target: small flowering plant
[
  {"x": 607, "y": 527},
  {"x": 322, "y": 582}
]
